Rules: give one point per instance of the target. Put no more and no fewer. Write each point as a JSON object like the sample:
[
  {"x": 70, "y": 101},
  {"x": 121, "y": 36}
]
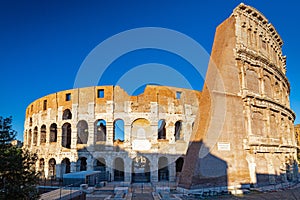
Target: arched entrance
[
  {"x": 65, "y": 166},
  {"x": 82, "y": 164},
  {"x": 163, "y": 170},
  {"x": 140, "y": 169},
  {"x": 100, "y": 165},
  {"x": 119, "y": 170},
  {"x": 52, "y": 169}
]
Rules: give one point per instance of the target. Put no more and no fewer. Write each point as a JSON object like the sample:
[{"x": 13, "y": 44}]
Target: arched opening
[
  {"x": 252, "y": 81},
  {"x": 65, "y": 166},
  {"x": 53, "y": 133},
  {"x": 67, "y": 114},
  {"x": 179, "y": 165},
  {"x": 277, "y": 92},
  {"x": 178, "y": 131},
  {"x": 119, "y": 130},
  {"x": 35, "y": 135},
  {"x": 66, "y": 135},
  {"x": 82, "y": 132},
  {"x": 267, "y": 86},
  {"x": 161, "y": 130},
  {"x": 82, "y": 164},
  {"x": 30, "y": 121},
  {"x": 29, "y": 137},
  {"x": 140, "y": 169},
  {"x": 100, "y": 127},
  {"x": 41, "y": 168},
  {"x": 43, "y": 134},
  {"x": 257, "y": 124},
  {"x": 163, "y": 170},
  {"x": 100, "y": 165},
  {"x": 52, "y": 168},
  {"x": 119, "y": 169}
]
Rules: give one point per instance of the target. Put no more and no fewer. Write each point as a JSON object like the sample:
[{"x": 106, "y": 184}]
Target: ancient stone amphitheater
[{"x": 174, "y": 134}]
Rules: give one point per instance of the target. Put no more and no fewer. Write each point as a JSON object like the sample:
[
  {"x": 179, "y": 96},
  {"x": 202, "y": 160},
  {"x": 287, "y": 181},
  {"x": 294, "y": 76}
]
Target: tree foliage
[{"x": 17, "y": 173}]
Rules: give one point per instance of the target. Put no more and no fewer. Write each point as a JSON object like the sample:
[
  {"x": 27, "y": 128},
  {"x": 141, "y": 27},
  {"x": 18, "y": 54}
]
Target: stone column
[
  {"x": 109, "y": 133},
  {"x": 59, "y": 136},
  {"x": 58, "y": 168},
  {"x": 46, "y": 169},
  {"x": 127, "y": 133},
  {"x": 172, "y": 171},
  {"x": 91, "y": 131},
  {"x": 73, "y": 135},
  {"x": 154, "y": 170},
  {"x": 73, "y": 167},
  {"x": 89, "y": 164},
  {"x": 127, "y": 169}
]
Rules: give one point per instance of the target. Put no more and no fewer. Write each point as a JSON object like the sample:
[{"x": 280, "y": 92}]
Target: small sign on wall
[{"x": 223, "y": 146}]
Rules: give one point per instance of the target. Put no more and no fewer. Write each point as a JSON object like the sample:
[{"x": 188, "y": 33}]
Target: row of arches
[
  {"x": 100, "y": 131},
  {"x": 265, "y": 85},
  {"x": 140, "y": 168}
]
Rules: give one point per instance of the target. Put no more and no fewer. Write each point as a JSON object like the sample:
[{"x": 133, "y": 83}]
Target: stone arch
[
  {"x": 43, "y": 134},
  {"x": 141, "y": 129},
  {"x": 161, "y": 130},
  {"x": 277, "y": 92},
  {"x": 82, "y": 163},
  {"x": 178, "y": 134},
  {"x": 100, "y": 130},
  {"x": 66, "y": 135},
  {"x": 267, "y": 86},
  {"x": 65, "y": 166},
  {"x": 141, "y": 169},
  {"x": 52, "y": 168},
  {"x": 179, "y": 164},
  {"x": 262, "y": 173},
  {"x": 82, "y": 132},
  {"x": 53, "y": 133},
  {"x": 35, "y": 136},
  {"x": 119, "y": 133},
  {"x": 252, "y": 81},
  {"x": 100, "y": 164},
  {"x": 257, "y": 123},
  {"x": 67, "y": 114},
  {"x": 119, "y": 170},
  {"x": 163, "y": 169}
]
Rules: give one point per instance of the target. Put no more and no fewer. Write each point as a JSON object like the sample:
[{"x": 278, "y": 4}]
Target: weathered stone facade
[
  {"x": 256, "y": 142},
  {"x": 103, "y": 128},
  {"x": 240, "y": 132}
]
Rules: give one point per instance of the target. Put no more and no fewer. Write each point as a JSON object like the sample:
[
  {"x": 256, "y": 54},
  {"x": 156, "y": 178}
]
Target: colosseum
[
  {"x": 179, "y": 135},
  {"x": 133, "y": 138}
]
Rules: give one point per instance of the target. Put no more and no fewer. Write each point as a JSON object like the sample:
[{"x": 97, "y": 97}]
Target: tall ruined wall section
[{"x": 256, "y": 143}]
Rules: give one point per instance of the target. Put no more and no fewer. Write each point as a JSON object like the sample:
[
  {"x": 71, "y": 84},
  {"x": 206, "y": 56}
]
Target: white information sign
[
  {"x": 223, "y": 146},
  {"x": 141, "y": 145}
]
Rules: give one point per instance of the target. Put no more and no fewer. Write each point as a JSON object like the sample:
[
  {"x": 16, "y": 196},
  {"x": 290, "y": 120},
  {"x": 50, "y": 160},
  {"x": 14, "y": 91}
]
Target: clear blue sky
[{"x": 43, "y": 43}]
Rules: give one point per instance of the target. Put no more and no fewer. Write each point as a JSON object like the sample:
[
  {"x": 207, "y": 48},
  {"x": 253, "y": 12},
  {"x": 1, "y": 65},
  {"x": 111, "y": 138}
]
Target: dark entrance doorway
[{"x": 140, "y": 170}]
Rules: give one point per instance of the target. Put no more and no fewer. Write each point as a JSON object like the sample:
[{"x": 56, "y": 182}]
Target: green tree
[{"x": 18, "y": 177}]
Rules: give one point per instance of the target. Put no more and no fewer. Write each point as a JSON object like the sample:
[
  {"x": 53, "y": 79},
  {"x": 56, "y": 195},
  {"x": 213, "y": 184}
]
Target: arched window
[
  {"x": 267, "y": 86},
  {"x": 53, "y": 133},
  {"x": 66, "y": 135},
  {"x": 257, "y": 123},
  {"x": 82, "y": 132},
  {"x": 277, "y": 92},
  {"x": 35, "y": 135},
  {"x": 179, "y": 164},
  {"x": 100, "y": 127},
  {"x": 67, "y": 114},
  {"x": 119, "y": 130},
  {"x": 82, "y": 164},
  {"x": 178, "y": 131},
  {"x": 163, "y": 170},
  {"x": 30, "y": 121},
  {"x": 65, "y": 166},
  {"x": 161, "y": 129},
  {"x": 52, "y": 166},
  {"x": 43, "y": 134},
  {"x": 252, "y": 81}
]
